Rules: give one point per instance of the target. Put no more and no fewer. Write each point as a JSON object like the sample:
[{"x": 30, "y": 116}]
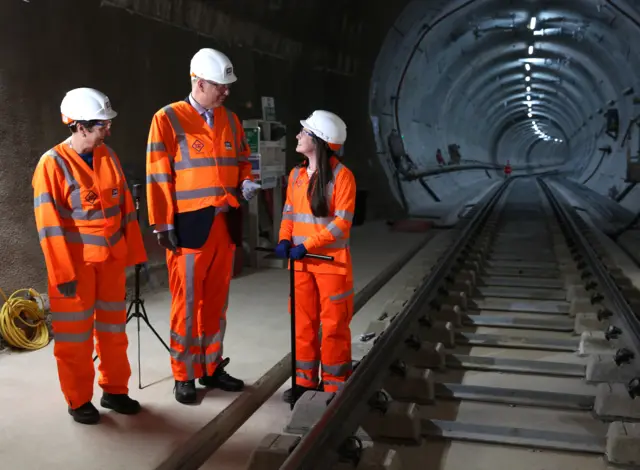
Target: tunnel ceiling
[{"x": 510, "y": 79}]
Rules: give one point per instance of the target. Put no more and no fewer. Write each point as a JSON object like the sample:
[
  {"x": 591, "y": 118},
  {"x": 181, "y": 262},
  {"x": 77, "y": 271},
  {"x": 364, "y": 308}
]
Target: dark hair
[{"x": 317, "y": 191}]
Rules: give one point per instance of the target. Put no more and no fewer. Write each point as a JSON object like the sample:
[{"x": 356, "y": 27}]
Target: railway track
[{"x": 513, "y": 347}]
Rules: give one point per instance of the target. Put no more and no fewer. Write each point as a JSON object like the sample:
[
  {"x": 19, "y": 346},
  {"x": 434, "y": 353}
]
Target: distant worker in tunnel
[
  {"x": 507, "y": 169},
  {"x": 198, "y": 171},
  {"x": 317, "y": 218},
  {"x": 89, "y": 234}
]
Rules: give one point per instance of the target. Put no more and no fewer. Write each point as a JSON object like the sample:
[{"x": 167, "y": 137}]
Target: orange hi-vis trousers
[
  {"x": 199, "y": 282},
  {"x": 325, "y": 299},
  {"x": 99, "y": 308}
]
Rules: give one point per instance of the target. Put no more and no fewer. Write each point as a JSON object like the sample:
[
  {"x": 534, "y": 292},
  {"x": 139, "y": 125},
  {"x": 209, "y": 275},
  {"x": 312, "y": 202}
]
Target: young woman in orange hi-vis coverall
[
  {"x": 317, "y": 219},
  {"x": 89, "y": 234}
]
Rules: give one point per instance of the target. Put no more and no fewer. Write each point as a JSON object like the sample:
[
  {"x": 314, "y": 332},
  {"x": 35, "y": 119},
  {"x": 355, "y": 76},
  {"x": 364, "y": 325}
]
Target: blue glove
[
  {"x": 282, "y": 249},
  {"x": 297, "y": 252}
]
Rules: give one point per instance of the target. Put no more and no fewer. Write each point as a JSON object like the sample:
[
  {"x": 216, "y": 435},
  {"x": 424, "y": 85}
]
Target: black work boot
[
  {"x": 120, "y": 403},
  {"x": 288, "y": 396},
  {"x": 85, "y": 414},
  {"x": 222, "y": 380},
  {"x": 185, "y": 391}
]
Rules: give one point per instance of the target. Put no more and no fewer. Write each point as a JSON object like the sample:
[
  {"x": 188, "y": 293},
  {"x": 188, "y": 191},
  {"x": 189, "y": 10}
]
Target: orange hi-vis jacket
[
  {"x": 191, "y": 166},
  {"x": 84, "y": 214},
  {"x": 321, "y": 235}
]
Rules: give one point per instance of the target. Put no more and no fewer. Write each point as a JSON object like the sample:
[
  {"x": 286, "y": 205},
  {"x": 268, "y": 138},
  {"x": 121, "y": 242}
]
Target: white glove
[{"x": 249, "y": 189}]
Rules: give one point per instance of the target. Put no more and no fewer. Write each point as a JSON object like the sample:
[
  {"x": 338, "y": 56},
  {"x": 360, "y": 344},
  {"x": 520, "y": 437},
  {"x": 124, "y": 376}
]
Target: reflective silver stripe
[
  {"x": 48, "y": 232},
  {"x": 288, "y": 216},
  {"x": 331, "y": 184},
  {"x": 73, "y": 337},
  {"x": 179, "y": 132},
  {"x": 338, "y": 297},
  {"x": 308, "y": 365},
  {"x": 311, "y": 219},
  {"x": 234, "y": 129},
  {"x": 164, "y": 227},
  {"x": 299, "y": 240},
  {"x": 296, "y": 172},
  {"x": 87, "y": 239},
  {"x": 205, "y": 162},
  {"x": 242, "y": 159},
  {"x": 72, "y": 316},
  {"x": 304, "y": 375},
  {"x": 207, "y": 340},
  {"x": 190, "y": 268},
  {"x": 335, "y": 230},
  {"x": 90, "y": 214},
  {"x": 346, "y": 215},
  {"x": 203, "y": 192},
  {"x": 288, "y": 208},
  {"x": 156, "y": 147},
  {"x": 336, "y": 383},
  {"x": 44, "y": 198},
  {"x": 159, "y": 178},
  {"x": 110, "y": 306},
  {"x": 130, "y": 217},
  {"x": 74, "y": 187},
  {"x": 103, "y": 327},
  {"x": 189, "y": 359},
  {"x": 338, "y": 370}
]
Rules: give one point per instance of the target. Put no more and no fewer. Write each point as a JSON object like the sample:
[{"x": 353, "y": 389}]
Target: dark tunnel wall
[{"x": 51, "y": 46}]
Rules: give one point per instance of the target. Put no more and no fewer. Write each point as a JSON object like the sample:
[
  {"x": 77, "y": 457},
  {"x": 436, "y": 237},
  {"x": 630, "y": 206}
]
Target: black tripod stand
[{"x": 139, "y": 312}]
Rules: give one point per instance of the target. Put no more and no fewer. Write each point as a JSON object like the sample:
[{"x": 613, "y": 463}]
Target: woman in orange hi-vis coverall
[
  {"x": 317, "y": 219},
  {"x": 89, "y": 234}
]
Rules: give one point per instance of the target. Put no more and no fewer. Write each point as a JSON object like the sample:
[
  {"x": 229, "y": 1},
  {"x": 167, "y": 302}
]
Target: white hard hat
[
  {"x": 327, "y": 126},
  {"x": 213, "y": 65},
  {"x": 86, "y": 104}
]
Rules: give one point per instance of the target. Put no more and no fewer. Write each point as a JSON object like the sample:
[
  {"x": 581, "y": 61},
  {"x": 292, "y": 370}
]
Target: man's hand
[
  {"x": 249, "y": 189},
  {"x": 68, "y": 289},
  {"x": 168, "y": 240}
]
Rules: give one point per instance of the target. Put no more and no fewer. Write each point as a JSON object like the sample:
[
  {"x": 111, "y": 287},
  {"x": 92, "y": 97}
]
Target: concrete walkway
[{"x": 36, "y": 432}]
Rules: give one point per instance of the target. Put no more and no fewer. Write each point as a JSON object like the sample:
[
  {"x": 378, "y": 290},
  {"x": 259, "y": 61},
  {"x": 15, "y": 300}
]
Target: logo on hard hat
[
  {"x": 107, "y": 104},
  {"x": 228, "y": 71}
]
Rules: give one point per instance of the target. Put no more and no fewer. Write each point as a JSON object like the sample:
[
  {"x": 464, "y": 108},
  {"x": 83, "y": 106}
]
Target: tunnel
[
  {"x": 439, "y": 98},
  {"x": 535, "y": 84}
]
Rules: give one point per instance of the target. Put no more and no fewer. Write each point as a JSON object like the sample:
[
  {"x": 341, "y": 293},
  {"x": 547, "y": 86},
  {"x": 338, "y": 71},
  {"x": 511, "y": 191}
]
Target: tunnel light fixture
[
  {"x": 527, "y": 78},
  {"x": 529, "y": 98},
  {"x": 528, "y": 89},
  {"x": 527, "y": 66},
  {"x": 530, "y": 50},
  {"x": 530, "y": 115},
  {"x": 539, "y": 32},
  {"x": 532, "y": 23}
]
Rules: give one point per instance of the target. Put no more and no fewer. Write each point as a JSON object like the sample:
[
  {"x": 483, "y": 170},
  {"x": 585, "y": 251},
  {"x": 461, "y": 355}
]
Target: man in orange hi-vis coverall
[
  {"x": 89, "y": 234},
  {"x": 317, "y": 219},
  {"x": 197, "y": 171}
]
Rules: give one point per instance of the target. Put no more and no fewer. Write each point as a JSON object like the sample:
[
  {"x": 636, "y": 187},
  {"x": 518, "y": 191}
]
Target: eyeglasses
[
  {"x": 219, "y": 86},
  {"x": 309, "y": 133},
  {"x": 105, "y": 124}
]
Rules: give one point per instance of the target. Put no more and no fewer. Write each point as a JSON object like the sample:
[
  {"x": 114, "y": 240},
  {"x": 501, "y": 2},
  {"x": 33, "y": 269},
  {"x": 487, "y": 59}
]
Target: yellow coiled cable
[{"x": 33, "y": 311}]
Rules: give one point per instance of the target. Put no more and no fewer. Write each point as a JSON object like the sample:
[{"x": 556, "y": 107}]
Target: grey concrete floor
[{"x": 36, "y": 432}]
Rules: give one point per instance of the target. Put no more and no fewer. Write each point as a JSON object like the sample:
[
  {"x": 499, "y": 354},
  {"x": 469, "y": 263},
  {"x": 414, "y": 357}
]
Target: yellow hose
[{"x": 14, "y": 309}]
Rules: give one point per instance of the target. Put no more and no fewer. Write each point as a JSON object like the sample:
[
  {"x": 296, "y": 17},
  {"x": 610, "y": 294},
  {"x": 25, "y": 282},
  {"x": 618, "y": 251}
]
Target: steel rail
[
  {"x": 341, "y": 418},
  {"x": 621, "y": 308}
]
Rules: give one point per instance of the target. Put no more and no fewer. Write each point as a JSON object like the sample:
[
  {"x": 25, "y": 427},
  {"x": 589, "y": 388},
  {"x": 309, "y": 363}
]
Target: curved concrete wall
[{"x": 456, "y": 72}]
